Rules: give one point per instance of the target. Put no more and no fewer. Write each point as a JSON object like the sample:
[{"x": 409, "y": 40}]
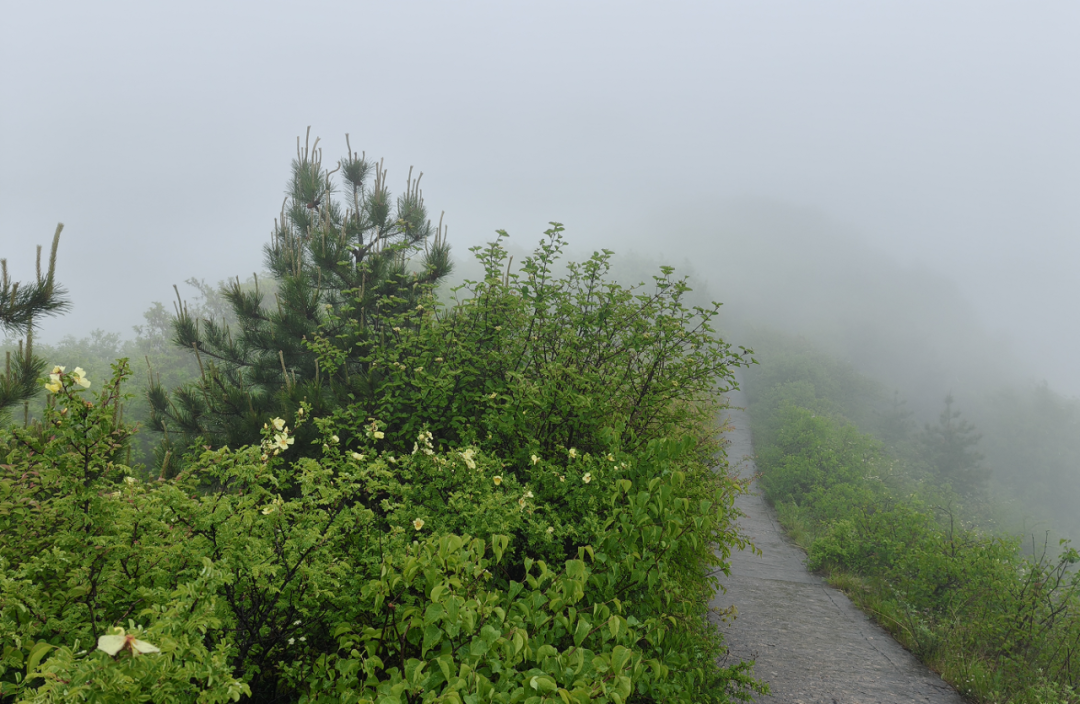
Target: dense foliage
[
  {"x": 999, "y": 622},
  {"x": 533, "y": 507}
]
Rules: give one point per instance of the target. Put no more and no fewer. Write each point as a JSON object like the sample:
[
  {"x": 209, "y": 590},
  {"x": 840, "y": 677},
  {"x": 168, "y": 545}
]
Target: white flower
[
  {"x": 118, "y": 640},
  {"x": 291, "y": 641},
  {"x": 468, "y": 455},
  {"x": 282, "y": 441},
  {"x": 335, "y": 439},
  {"x": 528, "y": 494},
  {"x": 587, "y": 478},
  {"x": 129, "y": 480},
  {"x": 358, "y": 457}
]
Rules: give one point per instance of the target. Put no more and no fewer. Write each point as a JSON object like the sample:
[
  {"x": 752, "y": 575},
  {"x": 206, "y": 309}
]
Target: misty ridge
[{"x": 786, "y": 275}]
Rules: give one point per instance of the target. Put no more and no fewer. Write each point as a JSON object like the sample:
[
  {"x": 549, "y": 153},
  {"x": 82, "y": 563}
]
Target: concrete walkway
[{"x": 810, "y": 642}]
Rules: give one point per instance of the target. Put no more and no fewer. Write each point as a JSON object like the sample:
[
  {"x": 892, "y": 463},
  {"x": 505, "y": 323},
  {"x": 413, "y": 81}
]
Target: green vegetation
[
  {"x": 884, "y": 521},
  {"x": 517, "y": 497},
  {"x": 19, "y": 306},
  {"x": 342, "y": 270}
]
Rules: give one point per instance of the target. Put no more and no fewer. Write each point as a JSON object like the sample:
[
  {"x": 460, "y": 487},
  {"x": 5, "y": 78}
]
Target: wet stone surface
[{"x": 810, "y": 643}]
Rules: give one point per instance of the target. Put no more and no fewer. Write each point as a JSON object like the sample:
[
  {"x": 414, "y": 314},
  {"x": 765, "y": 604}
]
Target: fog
[{"x": 796, "y": 154}]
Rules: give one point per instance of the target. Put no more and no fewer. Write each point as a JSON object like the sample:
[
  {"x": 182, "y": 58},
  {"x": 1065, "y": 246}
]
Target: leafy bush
[{"x": 559, "y": 540}]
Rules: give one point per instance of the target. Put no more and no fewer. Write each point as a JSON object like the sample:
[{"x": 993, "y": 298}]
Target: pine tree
[
  {"x": 20, "y": 306},
  {"x": 342, "y": 260},
  {"x": 949, "y": 449}
]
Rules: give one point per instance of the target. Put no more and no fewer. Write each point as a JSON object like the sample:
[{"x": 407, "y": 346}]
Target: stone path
[{"x": 810, "y": 642}]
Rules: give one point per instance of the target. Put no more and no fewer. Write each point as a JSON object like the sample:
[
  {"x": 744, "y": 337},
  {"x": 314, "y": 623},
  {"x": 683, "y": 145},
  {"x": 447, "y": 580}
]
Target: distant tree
[
  {"x": 21, "y": 305},
  {"x": 895, "y": 421},
  {"x": 345, "y": 259},
  {"x": 949, "y": 450}
]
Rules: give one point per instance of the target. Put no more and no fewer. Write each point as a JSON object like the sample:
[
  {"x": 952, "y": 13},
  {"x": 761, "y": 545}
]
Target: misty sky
[{"x": 944, "y": 133}]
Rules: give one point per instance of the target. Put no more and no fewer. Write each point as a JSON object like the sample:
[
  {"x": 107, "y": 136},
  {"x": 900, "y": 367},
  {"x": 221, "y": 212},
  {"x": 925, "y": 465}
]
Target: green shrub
[{"x": 440, "y": 544}]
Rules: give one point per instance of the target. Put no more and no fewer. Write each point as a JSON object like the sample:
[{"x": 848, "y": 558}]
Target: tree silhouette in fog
[{"x": 949, "y": 450}]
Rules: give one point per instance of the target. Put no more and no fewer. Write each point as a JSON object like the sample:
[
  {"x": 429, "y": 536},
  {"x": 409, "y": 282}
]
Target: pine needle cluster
[
  {"x": 20, "y": 305},
  {"x": 345, "y": 257}
]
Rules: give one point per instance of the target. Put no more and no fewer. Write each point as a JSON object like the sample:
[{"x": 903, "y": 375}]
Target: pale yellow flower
[
  {"x": 551, "y": 529},
  {"x": 438, "y": 359},
  {"x": 80, "y": 378},
  {"x": 497, "y": 479},
  {"x": 54, "y": 386},
  {"x": 587, "y": 478},
  {"x": 57, "y": 370},
  {"x": 468, "y": 455},
  {"x": 418, "y": 523},
  {"x": 358, "y": 457},
  {"x": 282, "y": 441},
  {"x": 335, "y": 439},
  {"x": 521, "y": 502},
  {"x": 535, "y": 459},
  {"x": 279, "y": 424},
  {"x": 573, "y": 452},
  {"x": 378, "y": 435},
  {"x": 611, "y": 457}
]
